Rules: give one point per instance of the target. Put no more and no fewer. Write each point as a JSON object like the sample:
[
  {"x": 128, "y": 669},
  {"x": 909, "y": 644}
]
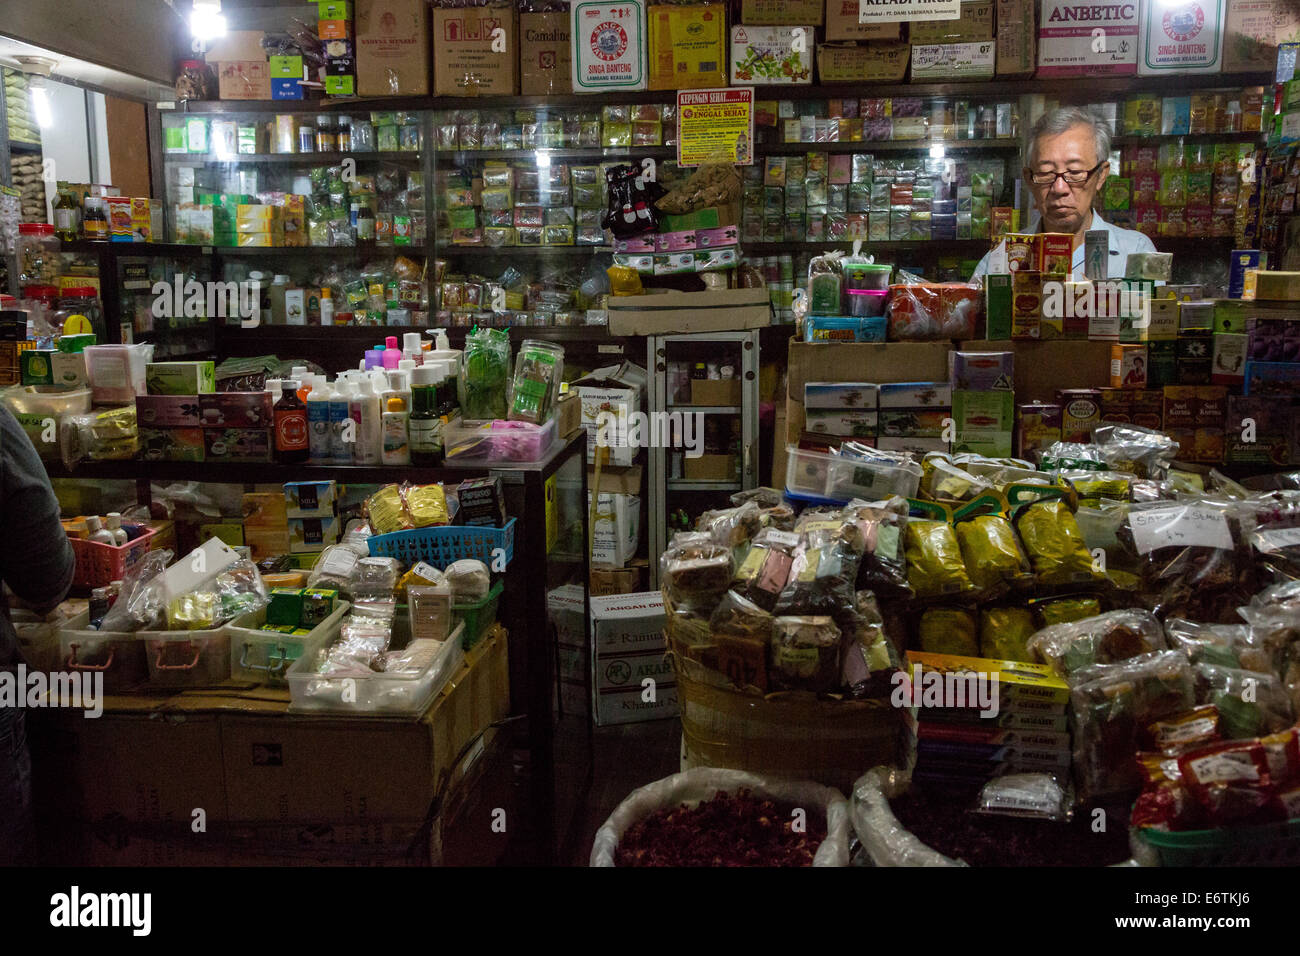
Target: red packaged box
[{"x": 235, "y": 410}]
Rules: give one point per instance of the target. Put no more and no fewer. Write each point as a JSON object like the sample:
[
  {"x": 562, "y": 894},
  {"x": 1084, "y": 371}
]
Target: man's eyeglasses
[{"x": 1072, "y": 177}]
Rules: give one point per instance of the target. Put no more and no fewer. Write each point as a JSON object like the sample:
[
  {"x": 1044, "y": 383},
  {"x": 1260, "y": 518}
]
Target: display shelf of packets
[
  {"x": 883, "y": 119},
  {"x": 837, "y": 197},
  {"x": 228, "y": 140},
  {"x": 644, "y": 124}
]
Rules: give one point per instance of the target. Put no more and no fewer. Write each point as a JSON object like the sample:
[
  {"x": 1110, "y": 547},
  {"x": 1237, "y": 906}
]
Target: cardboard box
[
  {"x": 171, "y": 444},
  {"x": 771, "y": 56},
  {"x": 340, "y": 86},
  {"x": 608, "y": 46},
  {"x": 884, "y": 62},
  {"x": 1040, "y": 367},
  {"x": 392, "y": 44},
  {"x": 783, "y": 13},
  {"x": 711, "y": 468},
  {"x": 628, "y": 580},
  {"x": 1269, "y": 421},
  {"x": 616, "y": 533},
  {"x": 725, "y": 392},
  {"x": 470, "y": 56},
  {"x": 609, "y": 396},
  {"x": 977, "y": 414},
  {"x": 973, "y": 25},
  {"x": 243, "y": 71},
  {"x": 167, "y": 411},
  {"x": 953, "y": 61},
  {"x": 309, "y": 499},
  {"x": 1128, "y": 366},
  {"x": 235, "y": 410},
  {"x": 237, "y": 444},
  {"x": 687, "y": 47},
  {"x": 982, "y": 371},
  {"x": 1066, "y": 41},
  {"x": 681, "y": 312},
  {"x": 1252, "y": 31},
  {"x": 1185, "y": 39},
  {"x": 842, "y": 23},
  {"x": 1229, "y": 365},
  {"x": 309, "y": 535},
  {"x": 545, "y": 54},
  {"x": 1017, "y": 37},
  {"x": 180, "y": 378},
  {"x": 628, "y": 624},
  {"x": 1080, "y": 413}
]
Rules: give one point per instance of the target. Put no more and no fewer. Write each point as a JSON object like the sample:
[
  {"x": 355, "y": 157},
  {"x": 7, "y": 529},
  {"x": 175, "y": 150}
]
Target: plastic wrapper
[
  {"x": 1136, "y": 450},
  {"x": 1064, "y": 610},
  {"x": 934, "y": 563},
  {"x": 820, "y": 526},
  {"x": 805, "y": 653},
  {"x": 363, "y": 639},
  {"x": 881, "y": 526},
  {"x": 949, "y": 630},
  {"x": 1173, "y": 735},
  {"x": 357, "y": 538},
  {"x": 469, "y": 579},
  {"x": 425, "y": 505},
  {"x": 1055, "y": 546},
  {"x": 412, "y": 659},
  {"x": 335, "y": 568},
  {"x": 1271, "y": 525},
  {"x": 142, "y": 601},
  {"x": 1100, "y": 528},
  {"x": 1275, "y": 631},
  {"x": 1105, "y": 639},
  {"x": 1005, "y": 633},
  {"x": 237, "y": 590},
  {"x": 765, "y": 498},
  {"x": 765, "y": 570},
  {"x": 887, "y": 841},
  {"x": 1071, "y": 456},
  {"x": 695, "y": 572},
  {"x": 421, "y": 575},
  {"x": 992, "y": 555},
  {"x": 1194, "y": 563},
  {"x": 928, "y": 310},
  {"x": 374, "y": 579},
  {"x": 742, "y": 635},
  {"x": 821, "y": 580},
  {"x": 1091, "y": 486},
  {"x": 869, "y": 658},
  {"x": 484, "y": 375},
  {"x": 1028, "y": 796},
  {"x": 1249, "y": 703},
  {"x": 387, "y": 511},
  {"x": 703, "y": 783},
  {"x": 1224, "y": 645},
  {"x": 1230, "y": 781},
  {"x": 941, "y": 480},
  {"x": 1111, "y": 704},
  {"x": 731, "y": 527}
]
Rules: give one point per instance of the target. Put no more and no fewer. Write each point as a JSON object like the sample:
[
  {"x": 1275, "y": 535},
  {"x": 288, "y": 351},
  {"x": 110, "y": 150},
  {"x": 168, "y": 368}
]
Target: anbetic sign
[{"x": 1093, "y": 12}]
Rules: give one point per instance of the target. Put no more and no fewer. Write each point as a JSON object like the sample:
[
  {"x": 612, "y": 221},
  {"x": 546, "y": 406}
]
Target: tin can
[
  {"x": 285, "y": 131},
  {"x": 306, "y": 139}
]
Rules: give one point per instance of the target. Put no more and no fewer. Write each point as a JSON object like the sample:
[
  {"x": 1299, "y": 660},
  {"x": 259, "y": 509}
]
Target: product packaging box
[
  {"x": 1261, "y": 430},
  {"x": 286, "y": 68},
  {"x": 1272, "y": 378},
  {"x": 1252, "y": 31},
  {"x": 883, "y": 62},
  {"x": 1080, "y": 413},
  {"x": 1180, "y": 39},
  {"x": 783, "y": 13},
  {"x": 842, "y": 23},
  {"x": 309, "y": 499},
  {"x": 843, "y": 409},
  {"x": 616, "y": 533},
  {"x": 1038, "y": 428},
  {"x": 977, "y": 414},
  {"x": 628, "y": 644},
  {"x": 771, "y": 56},
  {"x": 171, "y": 444},
  {"x": 960, "y": 61},
  {"x": 235, "y": 410},
  {"x": 1017, "y": 37},
  {"x": 545, "y": 53},
  {"x": 474, "y": 51},
  {"x": 312, "y": 534},
  {"x": 1068, "y": 39},
  {"x": 340, "y": 86},
  {"x": 608, "y": 46},
  {"x": 997, "y": 306},
  {"x": 392, "y": 44},
  {"x": 167, "y": 411},
  {"x": 237, "y": 444},
  {"x": 974, "y": 24},
  {"x": 180, "y": 378},
  {"x": 610, "y": 397},
  {"x": 687, "y": 46},
  {"x": 981, "y": 371},
  {"x": 1128, "y": 366},
  {"x": 240, "y": 62},
  {"x": 1229, "y": 364}
]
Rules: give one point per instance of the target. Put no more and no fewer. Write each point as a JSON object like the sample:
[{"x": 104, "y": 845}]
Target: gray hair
[{"x": 1067, "y": 117}]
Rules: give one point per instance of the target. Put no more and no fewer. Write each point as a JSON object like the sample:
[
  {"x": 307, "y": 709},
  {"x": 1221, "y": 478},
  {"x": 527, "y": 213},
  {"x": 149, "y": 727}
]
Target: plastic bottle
[
  {"x": 279, "y": 285},
  {"x": 340, "y": 448},
  {"x": 374, "y": 358},
  {"x": 292, "y": 445},
  {"x": 412, "y": 348},
  {"x": 326, "y": 306},
  {"x": 114, "y": 524},
  {"x": 98, "y": 532},
  {"x": 366, "y": 413},
  {"x": 318, "y": 425},
  {"x": 449, "y": 406},
  {"x": 424, "y": 424},
  {"x": 392, "y": 354},
  {"x": 397, "y": 448}
]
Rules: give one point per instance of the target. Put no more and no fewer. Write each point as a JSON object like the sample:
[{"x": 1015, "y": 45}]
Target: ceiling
[{"x": 82, "y": 73}]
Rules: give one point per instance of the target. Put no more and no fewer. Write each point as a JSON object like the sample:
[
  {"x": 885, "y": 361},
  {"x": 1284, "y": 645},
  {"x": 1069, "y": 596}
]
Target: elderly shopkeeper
[{"x": 1069, "y": 159}]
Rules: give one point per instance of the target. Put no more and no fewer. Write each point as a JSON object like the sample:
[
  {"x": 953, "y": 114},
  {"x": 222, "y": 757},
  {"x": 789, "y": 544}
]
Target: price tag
[
  {"x": 786, "y": 539},
  {"x": 1181, "y": 526},
  {"x": 1276, "y": 540}
]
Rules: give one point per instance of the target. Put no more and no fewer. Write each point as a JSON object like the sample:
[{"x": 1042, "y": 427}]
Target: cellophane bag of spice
[
  {"x": 881, "y": 527},
  {"x": 948, "y": 630},
  {"x": 822, "y": 580},
  {"x": 805, "y": 653},
  {"x": 935, "y": 567},
  {"x": 742, "y": 634},
  {"x": 1250, "y": 703},
  {"x": 1273, "y": 617},
  {"x": 1105, "y": 639},
  {"x": 869, "y": 657},
  {"x": 1110, "y": 705},
  {"x": 1225, "y": 645},
  {"x": 765, "y": 570},
  {"x": 695, "y": 572},
  {"x": 1005, "y": 633},
  {"x": 1062, "y": 610},
  {"x": 1195, "y": 564},
  {"x": 1141, "y": 452},
  {"x": 1055, "y": 546},
  {"x": 1271, "y": 524},
  {"x": 731, "y": 527},
  {"x": 994, "y": 559},
  {"x": 485, "y": 375}
]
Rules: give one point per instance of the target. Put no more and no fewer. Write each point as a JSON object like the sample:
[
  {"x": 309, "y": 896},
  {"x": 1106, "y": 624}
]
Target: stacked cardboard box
[
  {"x": 915, "y": 417},
  {"x": 335, "y": 27},
  {"x": 168, "y": 415},
  {"x": 983, "y": 402},
  {"x": 309, "y": 508}
]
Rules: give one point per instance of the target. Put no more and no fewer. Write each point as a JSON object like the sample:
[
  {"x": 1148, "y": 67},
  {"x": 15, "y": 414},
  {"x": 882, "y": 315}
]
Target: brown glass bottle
[{"x": 292, "y": 440}]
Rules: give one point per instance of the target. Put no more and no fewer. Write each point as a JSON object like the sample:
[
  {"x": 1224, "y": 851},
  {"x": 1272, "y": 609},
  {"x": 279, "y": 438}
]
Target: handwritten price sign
[{"x": 1180, "y": 526}]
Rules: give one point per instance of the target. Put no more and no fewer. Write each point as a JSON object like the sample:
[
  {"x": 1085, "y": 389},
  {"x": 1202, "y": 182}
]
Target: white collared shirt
[{"x": 1121, "y": 241}]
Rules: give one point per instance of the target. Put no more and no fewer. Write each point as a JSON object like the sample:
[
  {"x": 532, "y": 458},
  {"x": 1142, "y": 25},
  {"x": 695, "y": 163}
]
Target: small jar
[
  {"x": 326, "y": 139},
  {"x": 38, "y": 254},
  {"x": 306, "y": 139}
]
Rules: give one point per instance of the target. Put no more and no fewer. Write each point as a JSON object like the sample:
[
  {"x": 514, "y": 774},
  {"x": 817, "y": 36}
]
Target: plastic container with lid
[
  {"x": 841, "y": 478},
  {"x": 38, "y": 254},
  {"x": 867, "y": 303},
  {"x": 84, "y": 301},
  {"x": 539, "y": 367},
  {"x": 860, "y": 276}
]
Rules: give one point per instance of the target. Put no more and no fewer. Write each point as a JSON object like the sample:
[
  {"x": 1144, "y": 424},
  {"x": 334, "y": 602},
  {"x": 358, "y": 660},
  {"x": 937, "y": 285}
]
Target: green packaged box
[
  {"x": 334, "y": 9},
  {"x": 1230, "y": 315},
  {"x": 287, "y": 67},
  {"x": 340, "y": 86},
  {"x": 317, "y": 605},
  {"x": 977, "y": 414},
  {"x": 988, "y": 444},
  {"x": 1162, "y": 363},
  {"x": 180, "y": 378},
  {"x": 285, "y": 607},
  {"x": 37, "y": 366},
  {"x": 997, "y": 290}
]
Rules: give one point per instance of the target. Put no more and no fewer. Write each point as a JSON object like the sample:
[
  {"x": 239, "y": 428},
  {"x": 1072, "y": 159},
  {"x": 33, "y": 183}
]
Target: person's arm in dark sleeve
[{"x": 36, "y": 560}]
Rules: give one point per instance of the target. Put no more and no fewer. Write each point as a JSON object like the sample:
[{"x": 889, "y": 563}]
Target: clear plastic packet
[
  {"x": 237, "y": 590},
  {"x": 731, "y": 527},
  {"x": 822, "y": 581},
  {"x": 387, "y": 511},
  {"x": 765, "y": 498},
  {"x": 1054, "y": 544},
  {"x": 1062, "y": 610},
  {"x": 1194, "y": 563},
  {"x": 1275, "y": 632},
  {"x": 363, "y": 637},
  {"x": 1250, "y": 703},
  {"x": 470, "y": 580},
  {"x": 1105, "y": 639},
  {"x": 1100, "y": 526},
  {"x": 1005, "y": 633},
  {"x": 425, "y": 505},
  {"x": 741, "y": 632},
  {"x": 484, "y": 375},
  {"x": 1071, "y": 456},
  {"x": 335, "y": 568},
  {"x": 374, "y": 579},
  {"x": 941, "y": 480},
  {"x": 934, "y": 563},
  {"x": 820, "y": 526},
  {"x": 1271, "y": 525},
  {"x": 1091, "y": 485},
  {"x": 948, "y": 630},
  {"x": 805, "y": 653},
  {"x": 1139, "y": 451},
  {"x": 1177, "y": 733},
  {"x": 992, "y": 554},
  {"x": 881, "y": 526},
  {"x": 1027, "y": 796},
  {"x": 412, "y": 659},
  {"x": 1110, "y": 705},
  {"x": 1230, "y": 780},
  {"x": 357, "y": 538},
  {"x": 1224, "y": 645},
  {"x": 142, "y": 601},
  {"x": 695, "y": 572},
  {"x": 868, "y": 657},
  {"x": 766, "y": 567}
]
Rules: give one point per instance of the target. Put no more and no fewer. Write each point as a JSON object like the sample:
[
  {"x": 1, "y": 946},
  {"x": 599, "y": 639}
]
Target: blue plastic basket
[{"x": 441, "y": 546}]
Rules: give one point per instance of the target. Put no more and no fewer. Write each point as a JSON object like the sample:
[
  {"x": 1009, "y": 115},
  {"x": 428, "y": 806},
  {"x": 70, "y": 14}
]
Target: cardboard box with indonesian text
[
  {"x": 392, "y": 44},
  {"x": 545, "y": 60},
  {"x": 474, "y": 51}
]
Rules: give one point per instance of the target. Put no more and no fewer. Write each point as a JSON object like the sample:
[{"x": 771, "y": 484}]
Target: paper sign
[
  {"x": 1180, "y": 526},
  {"x": 715, "y": 126},
  {"x": 784, "y": 538},
  {"x": 1276, "y": 540},
  {"x": 887, "y": 11}
]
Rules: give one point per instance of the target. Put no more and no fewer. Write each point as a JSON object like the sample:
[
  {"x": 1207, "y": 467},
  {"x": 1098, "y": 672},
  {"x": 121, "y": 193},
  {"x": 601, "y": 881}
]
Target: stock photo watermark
[
  {"x": 675, "y": 430},
  {"x": 65, "y": 690}
]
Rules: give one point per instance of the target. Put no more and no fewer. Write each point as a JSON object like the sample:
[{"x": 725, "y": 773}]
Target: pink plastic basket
[{"x": 100, "y": 564}]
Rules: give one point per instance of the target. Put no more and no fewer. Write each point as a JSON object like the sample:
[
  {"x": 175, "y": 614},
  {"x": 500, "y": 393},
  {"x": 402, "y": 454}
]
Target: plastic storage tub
[
  {"x": 100, "y": 564},
  {"x": 265, "y": 656},
  {"x": 478, "y": 616},
  {"x": 816, "y": 474},
  {"x": 442, "y": 545},
  {"x": 120, "y": 657},
  {"x": 188, "y": 658},
  {"x": 498, "y": 441},
  {"x": 1270, "y": 844},
  {"x": 376, "y": 693}
]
